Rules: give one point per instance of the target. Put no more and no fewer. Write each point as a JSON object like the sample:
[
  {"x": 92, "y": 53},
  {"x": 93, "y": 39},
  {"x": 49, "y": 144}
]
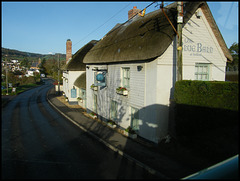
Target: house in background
[
  {"x": 73, "y": 71},
  {"x": 140, "y": 57},
  {"x": 80, "y": 84}
]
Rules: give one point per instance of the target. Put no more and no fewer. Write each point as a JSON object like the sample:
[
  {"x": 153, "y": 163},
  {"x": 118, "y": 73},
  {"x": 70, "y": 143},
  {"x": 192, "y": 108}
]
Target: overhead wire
[
  {"x": 102, "y": 24},
  {"x": 168, "y": 19},
  {"x": 132, "y": 17}
]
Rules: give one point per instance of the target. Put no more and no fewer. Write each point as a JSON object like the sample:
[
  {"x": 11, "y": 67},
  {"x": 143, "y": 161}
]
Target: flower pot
[
  {"x": 93, "y": 116},
  {"x": 112, "y": 125},
  {"x": 125, "y": 92},
  {"x": 133, "y": 136},
  {"x": 119, "y": 92}
]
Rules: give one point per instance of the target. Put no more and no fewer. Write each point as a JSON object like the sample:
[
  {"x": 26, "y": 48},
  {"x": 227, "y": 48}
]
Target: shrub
[
  {"x": 213, "y": 94},
  {"x": 204, "y": 107}
]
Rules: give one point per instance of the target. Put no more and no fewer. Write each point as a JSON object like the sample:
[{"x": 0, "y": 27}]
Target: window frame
[
  {"x": 199, "y": 75},
  {"x": 126, "y": 79},
  {"x": 134, "y": 118}
]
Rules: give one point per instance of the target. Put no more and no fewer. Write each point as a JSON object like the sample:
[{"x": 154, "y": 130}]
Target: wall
[
  {"x": 152, "y": 88},
  {"x": 199, "y": 46},
  {"x": 68, "y": 84},
  {"x": 65, "y": 83}
]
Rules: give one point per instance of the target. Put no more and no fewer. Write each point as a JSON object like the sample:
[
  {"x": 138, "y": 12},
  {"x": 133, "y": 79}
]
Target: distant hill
[{"x": 12, "y": 54}]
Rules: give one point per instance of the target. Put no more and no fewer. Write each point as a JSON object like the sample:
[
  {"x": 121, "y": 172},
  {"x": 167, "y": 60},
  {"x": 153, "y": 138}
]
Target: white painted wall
[
  {"x": 152, "y": 88},
  {"x": 68, "y": 83}
]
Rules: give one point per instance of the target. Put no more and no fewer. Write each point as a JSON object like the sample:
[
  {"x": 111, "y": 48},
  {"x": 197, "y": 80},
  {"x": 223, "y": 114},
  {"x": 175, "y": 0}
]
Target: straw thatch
[
  {"x": 76, "y": 63},
  {"x": 145, "y": 38},
  {"x": 80, "y": 82}
]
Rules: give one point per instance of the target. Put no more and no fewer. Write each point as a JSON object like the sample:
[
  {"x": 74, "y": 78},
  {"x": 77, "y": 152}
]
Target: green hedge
[
  {"x": 206, "y": 117},
  {"x": 213, "y": 94}
]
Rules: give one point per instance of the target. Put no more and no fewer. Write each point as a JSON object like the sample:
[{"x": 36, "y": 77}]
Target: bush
[
  {"x": 204, "y": 108},
  {"x": 213, "y": 94}
]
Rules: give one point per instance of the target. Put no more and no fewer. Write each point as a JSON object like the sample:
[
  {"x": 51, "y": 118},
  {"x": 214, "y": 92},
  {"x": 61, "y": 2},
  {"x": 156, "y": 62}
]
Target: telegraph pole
[
  {"x": 179, "y": 43},
  {"x": 6, "y": 78},
  {"x": 58, "y": 75}
]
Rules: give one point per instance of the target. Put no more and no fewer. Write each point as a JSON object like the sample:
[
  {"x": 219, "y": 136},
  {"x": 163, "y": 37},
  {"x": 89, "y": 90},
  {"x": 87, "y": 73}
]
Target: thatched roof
[
  {"x": 76, "y": 63},
  {"x": 80, "y": 82},
  {"x": 216, "y": 31},
  {"x": 145, "y": 38}
]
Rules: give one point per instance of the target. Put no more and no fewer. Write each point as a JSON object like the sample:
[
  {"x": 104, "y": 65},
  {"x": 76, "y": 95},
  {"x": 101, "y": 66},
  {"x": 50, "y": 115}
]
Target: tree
[
  {"x": 42, "y": 66},
  {"x": 233, "y": 66},
  {"x": 25, "y": 63}
]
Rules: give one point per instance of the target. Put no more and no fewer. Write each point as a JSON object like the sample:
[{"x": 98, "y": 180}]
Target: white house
[
  {"x": 72, "y": 71},
  {"x": 140, "y": 56}
]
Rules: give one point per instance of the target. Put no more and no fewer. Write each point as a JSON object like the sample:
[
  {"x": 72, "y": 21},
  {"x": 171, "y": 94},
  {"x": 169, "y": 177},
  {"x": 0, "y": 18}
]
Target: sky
[{"x": 44, "y": 27}]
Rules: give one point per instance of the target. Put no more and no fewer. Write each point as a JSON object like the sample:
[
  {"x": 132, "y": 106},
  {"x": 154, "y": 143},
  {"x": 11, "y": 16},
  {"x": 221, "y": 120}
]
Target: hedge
[
  {"x": 206, "y": 117},
  {"x": 213, "y": 94}
]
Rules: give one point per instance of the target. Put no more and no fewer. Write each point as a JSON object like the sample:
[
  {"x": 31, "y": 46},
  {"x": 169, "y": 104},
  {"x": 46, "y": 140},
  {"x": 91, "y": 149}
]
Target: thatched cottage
[
  {"x": 74, "y": 76},
  {"x": 133, "y": 67}
]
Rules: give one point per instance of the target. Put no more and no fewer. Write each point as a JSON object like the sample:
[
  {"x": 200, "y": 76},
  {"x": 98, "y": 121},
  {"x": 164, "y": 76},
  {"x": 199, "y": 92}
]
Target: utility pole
[
  {"x": 58, "y": 75},
  {"x": 6, "y": 61},
  {"x": 7, "y": 78},
  {"x": 179, "y": 43}
]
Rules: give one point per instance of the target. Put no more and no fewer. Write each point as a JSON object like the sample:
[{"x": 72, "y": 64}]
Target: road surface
[{"x": 39, "y": 143}]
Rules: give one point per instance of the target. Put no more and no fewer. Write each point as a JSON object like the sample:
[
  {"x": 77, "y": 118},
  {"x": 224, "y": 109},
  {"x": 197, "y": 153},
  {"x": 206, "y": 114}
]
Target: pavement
[{"x": 140, "y": 151}]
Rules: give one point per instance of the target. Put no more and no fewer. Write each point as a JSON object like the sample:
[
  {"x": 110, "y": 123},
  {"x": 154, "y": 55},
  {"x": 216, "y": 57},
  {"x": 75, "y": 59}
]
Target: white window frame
[
  {"x": 202, "y": 71},
  {"x": 126, "y": 77},
  {"x": 134, "y": 119}
]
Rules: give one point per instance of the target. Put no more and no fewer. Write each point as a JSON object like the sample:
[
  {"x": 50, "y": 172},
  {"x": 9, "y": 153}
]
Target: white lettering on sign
[{"x": 197, "y": 48}]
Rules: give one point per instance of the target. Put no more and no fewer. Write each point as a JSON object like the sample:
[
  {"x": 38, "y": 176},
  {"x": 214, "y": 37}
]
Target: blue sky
[{"x": 44, "y": 27}]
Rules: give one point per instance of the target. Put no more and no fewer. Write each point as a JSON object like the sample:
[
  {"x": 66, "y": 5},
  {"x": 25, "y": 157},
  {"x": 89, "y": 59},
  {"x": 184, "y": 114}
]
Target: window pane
[
  {"x": 128, "y": 73},
  {"x": 196, "y": 77},
  {"x": 205, "y": 69},
  {"x": 206, "y": 77},
  {"x": 124, "y": 73},
  {"x": 196, "y": 69},
  {"x": 126, "y": 77},
  {"x": 135, "y": 119},
  {"x": 201, "y": 71}
]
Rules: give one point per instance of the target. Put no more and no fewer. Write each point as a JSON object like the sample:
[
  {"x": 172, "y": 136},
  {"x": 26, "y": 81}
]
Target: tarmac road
[{"x": 39, "y": 143}]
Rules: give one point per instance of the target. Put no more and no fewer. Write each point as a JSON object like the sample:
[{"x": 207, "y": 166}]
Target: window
[
  {"x": 113, "y": 110},
  {"x": 82, "y": 93},
  {"x": 135, "y": 119},
  {"x": 202, "y": 71},
  {"x": 126, "y": 77},
  {"x": 95, "y": 103}
]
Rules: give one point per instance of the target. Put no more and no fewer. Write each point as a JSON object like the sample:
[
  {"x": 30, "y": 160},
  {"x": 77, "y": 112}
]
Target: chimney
[
  {"x": 68, "y": 50},
  {"x": 133, "y": 12}
]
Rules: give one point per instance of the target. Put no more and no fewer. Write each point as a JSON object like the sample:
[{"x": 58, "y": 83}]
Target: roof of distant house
[
  {"x": 76, "y": 63},
  {"x": 80, "y": 82},
  {"x": 145, "y": 38}
]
